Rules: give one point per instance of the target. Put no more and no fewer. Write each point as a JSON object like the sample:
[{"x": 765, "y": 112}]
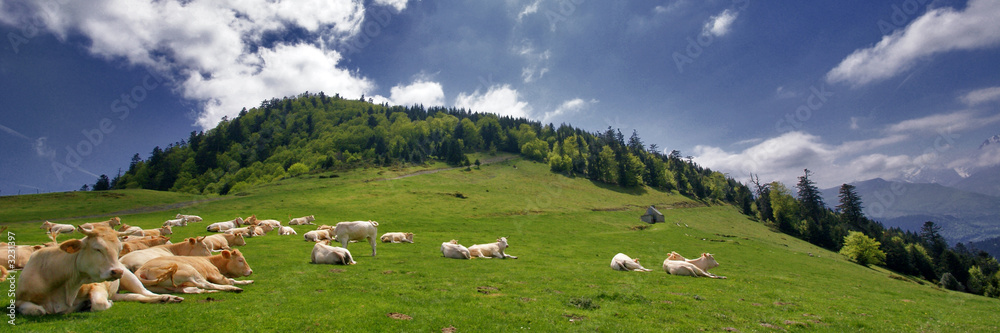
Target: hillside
[
  {"x": 564, "y": 229},
  {"x": 963, "y": 216}
]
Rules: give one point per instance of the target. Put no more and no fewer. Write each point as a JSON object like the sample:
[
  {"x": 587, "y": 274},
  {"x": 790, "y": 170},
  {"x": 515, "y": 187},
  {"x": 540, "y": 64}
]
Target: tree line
[{"x": 923, "y": 254}]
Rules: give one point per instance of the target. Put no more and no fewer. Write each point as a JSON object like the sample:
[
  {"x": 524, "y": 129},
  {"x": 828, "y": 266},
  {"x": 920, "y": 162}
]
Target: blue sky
[{"x": 852, "y": 90}]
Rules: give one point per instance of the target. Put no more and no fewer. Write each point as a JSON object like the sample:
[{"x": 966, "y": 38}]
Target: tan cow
[
  {"x": 302, "y": 220},
  {"x": 455, "y": 250},
  {"x": 195, "y": 275},
  {"x": 189, "y": 247},
  {"x": 323, "y": 253},
  {"x": 397, "y": 237},
  {"x": 317, "y": 235},
  {"x": 60, "y": 228},
  {"x": 102, "y": 294},
  {"x": 142, "y": 244},
  {"x": 50, "y": 281},
  {"x": 622, "y": 262},
  {"x": 188, "y": 218},
  {"x": 21, "y": 254},
  {"x": 491, "y": 250},
  {"x": 219, "y": 242},
  {"x": 223, "y": 226},
  {"x": 284, "y": 231},
  {"x": 345, "y": 232},
  {"x": 273, "y": 223},
  {"x": 112, "y": 223},
  {"x": 161, "y": 231},
  {"x": 130, "y": 230},
  {"x": 675, "y": 264}
]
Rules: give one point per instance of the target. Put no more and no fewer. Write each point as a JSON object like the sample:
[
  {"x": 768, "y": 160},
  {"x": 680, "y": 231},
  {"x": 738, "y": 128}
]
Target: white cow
[
  {"x": 223, "y": 226},
  {"x": 188, "y": 218},
  {"x": 302, "y": 220},
  {"x": 675, "y": 264},
  {"x": 60, "y": 228},
  {"x": 219, "y": 242},
  {"x": 317, "y": 235},
  {"x": 397, "y": 237},
  {"x": 622, "y": 262},
  {"x": 345, "y": 232},
  {"x": 454, "y": 250},
  {"x": 189, "y": 247},
  {"x": 491, "y": 250},
  {"x": 283, "y": 230},
  {"x": 272, "y": 223},
  {"x": 323, "y": 253},
  {"x": 175, "y": 223}
]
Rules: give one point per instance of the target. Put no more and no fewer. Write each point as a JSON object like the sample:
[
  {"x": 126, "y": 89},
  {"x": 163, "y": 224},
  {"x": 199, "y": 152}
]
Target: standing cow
[{"x": 345, "y": 232}]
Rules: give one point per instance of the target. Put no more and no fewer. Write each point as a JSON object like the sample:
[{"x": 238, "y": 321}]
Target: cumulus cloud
[
  {"x": 399, "y": 5},
  {"x": 981, "y": 96},
  {"x": 215, "y": 49},
  {"x": 566, "y": 108},
  {"x": 427, "y": 93},
  {"x": 937, "y": 31},
  {"x": 719, "y": 25},
  {"x": 499, "y": 99}
]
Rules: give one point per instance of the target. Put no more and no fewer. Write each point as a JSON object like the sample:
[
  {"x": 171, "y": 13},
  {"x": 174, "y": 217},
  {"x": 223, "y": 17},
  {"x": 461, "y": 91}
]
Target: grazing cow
[
  {"x": 302, "y": 220},
  {"x": 317, "y": 235},
  {"x": 175, "y": 223},
  {"x": 50, "y": 281},
  {"x": 622, "y": 262},
  {"x": 491, "y": 250},
  {"x": 188, "y": 218},
  {"x": 189, "y": 247},
  {"x": 455, "y": 250},
  {"x": 397, "y": 237},
  {"x": 345, "y": 232},
  {"x": 142, "y": 244},
  {"x": 195, "y": 275},
  {"x": 219, "y": 242},
  {"x": 323, "y": 253},
  {"x": 60, "y": 228},
  {"x": 161, "y": 231},
  {"x": 223, "y": 226},
  {"x": 283, "y": 230},
  {"x": 112, "y": 223},
  {"x": 675, "y": 264}
]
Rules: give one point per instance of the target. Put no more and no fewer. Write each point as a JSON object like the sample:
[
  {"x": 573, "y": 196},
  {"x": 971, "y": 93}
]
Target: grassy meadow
[{"x": 564, "y": 231}]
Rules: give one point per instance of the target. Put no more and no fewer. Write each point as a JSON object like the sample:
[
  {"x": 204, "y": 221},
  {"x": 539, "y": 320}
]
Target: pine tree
[
  {"x": 102, "y": 184},
  {"x": 851, "y": 207}
]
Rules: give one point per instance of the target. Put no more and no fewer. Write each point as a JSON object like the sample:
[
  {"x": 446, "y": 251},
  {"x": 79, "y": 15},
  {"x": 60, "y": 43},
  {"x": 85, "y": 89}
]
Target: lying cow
[
  {"x": 175, "y": 223},
  {"x": 112, "y": 223},
  {"x": 302, "y": 220},
  {"x": 219, "y": 242},
  {"x": 345, "y": 232},
  {"x": 130, "y": 230},
  {"x": 195, "y": 275},
  {"x": 50, "y": 281},
  {"x": 189, "y": 247},
  {"x": 55, "y": 227},
  {"x": 317, "y": 235},
  {"x": 622, "y": 262},
  {"x": 188, "y": 218},
  {"x": 284, "y": 231},
  {"x": 675, "y": 264},
  {"x": 397, "y": 237},
  {"x": 21, "y": 254},
  {"x": 102, "y": 294},
  {"x": 223, "y": 226},
  {"x": 455, "y": 250},
  {"x": 142, "y": 244},
  {"x": 491, "y": 250},
  {"x": 323, "y": 253},
  {"x": 273, "y": 223},
  {"x": 161, "y": 231}
]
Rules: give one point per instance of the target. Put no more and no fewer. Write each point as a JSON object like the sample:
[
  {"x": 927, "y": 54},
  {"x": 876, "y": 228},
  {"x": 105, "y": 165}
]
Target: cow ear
[
  {"x": 226, "y": 254},
  {"x": 127, "y": 246},
  {"x": 71, "y": 246},
  {"x": 191, "y": 241}
]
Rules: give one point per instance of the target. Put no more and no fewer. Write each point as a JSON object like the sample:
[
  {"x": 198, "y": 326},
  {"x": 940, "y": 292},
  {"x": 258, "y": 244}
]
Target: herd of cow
[{"x": 88, "y": 273}]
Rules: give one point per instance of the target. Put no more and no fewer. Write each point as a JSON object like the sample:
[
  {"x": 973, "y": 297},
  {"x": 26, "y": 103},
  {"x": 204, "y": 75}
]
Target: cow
[
  {"x": 188, "y": 218},
  {"x": 273, "y": 223},
  {"x": 102, "y": 294},
  {"x": 302, "y": 220},
  {"x": 142, "y": 244},
  {"x": 60, "y": 228},
  {"x": 21, "y": 254},
  {"x": 455, "y": 250},
  {"x": 283, "y": 230},
  {"x": 223, "y": 226},
  {"x": 50, "y": 281},
  {"x": 219, "y": 242},
  {"x": 323, "y": 253},
  {"x": 195, "y": 275},
  {"x": 397, "y": 237},
  {"x": 491, "y": 250},
  {"x": 189, "y": 247},
  {"x": 622, "y": 262},
  {"x": 161, "y": 231},
  {"x": 345, "y": 232},
  {"x": 112, "y": 223},
  {"x": 675, "y": 264},
  {"x": 175, "y": 223},
  {"x": 317, "y": 235},
  {"x": 130, "y": 230}
]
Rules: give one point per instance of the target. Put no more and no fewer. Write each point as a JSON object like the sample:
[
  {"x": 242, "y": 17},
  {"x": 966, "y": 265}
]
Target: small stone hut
[{"x": 652, "y": 216}]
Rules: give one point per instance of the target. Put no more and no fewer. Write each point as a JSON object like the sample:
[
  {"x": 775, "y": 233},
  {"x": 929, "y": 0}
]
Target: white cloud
[
  {"x": 937, "y": 31},
  {"x": 399, "y": 5},
  {"x": 427, "y": 93},
  {"x": 981, "y": 96},
  {"x": 566, "y": 108},
  {"x": 499, "y": 99},
  {"x": 214, "y": 48},
  {"x": 528, "y": 10},
  {"x": 719, "y": 25},
  {"x": 537, "y": 62},
  {"x": 943, "y": 123}
]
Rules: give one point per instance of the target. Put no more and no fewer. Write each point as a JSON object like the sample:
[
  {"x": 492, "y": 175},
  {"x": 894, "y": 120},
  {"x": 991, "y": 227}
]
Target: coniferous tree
[
  {"x": 850, "y": 206},
  {"x": 102, "y": 184}
]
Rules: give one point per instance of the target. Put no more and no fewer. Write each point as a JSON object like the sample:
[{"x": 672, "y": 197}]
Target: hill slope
[{"x": 564, "y": 230}]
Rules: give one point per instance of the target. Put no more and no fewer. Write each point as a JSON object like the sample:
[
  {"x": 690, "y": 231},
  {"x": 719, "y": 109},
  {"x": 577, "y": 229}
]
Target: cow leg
[
  {"x": 371, "y": 240},
  {"x": 30, "y": 309},
  {"x": 240, "y": 282},
  {"x": 131, "y": 283},
  {"x": 99, "y": 300}
]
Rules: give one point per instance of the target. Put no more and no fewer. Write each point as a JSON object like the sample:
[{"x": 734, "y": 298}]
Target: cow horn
[{"x": 85, "y": 232}]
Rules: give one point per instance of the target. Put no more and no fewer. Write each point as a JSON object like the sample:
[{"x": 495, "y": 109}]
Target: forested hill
[{"x": 315, "y": 132}]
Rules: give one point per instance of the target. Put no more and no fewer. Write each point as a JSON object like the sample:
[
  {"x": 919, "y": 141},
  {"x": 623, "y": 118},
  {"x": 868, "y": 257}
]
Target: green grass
[{"x": 565, "y": 231}]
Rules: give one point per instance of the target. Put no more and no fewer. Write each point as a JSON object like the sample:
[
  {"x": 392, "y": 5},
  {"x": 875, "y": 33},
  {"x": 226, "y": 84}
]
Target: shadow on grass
[{"x": 618, "y": 189}]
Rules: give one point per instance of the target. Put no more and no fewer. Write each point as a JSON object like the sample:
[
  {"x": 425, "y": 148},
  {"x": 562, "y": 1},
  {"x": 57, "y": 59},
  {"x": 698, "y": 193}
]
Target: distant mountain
[
  {"x": 991, "y": 246},
  {"x": 985, "y": 181},
  {"x": 992, "y": 140},
  {"x": 963, "y": 216}
]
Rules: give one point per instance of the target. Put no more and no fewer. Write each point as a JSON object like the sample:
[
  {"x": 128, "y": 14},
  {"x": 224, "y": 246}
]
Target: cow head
[
  {"x": 114, "y": 221},
  {"x": 96, "y": 254},
  {"x": 198, "y": 248},
  {"x": 252, "y": 220},
  {"x": 409, "y": 236},
  {"x": 709, "y": 260},
  {"x": 311, "y": 218},
  {"x": 236, "y": 264},
  {"x": 238, "y": 240},
  {"x": 47, "y": 225},
  {"x": 502, "y": 241},
  {"x": 675, "y": 256},
  {"x": 454, "y": 241},
  {"x": 167, "y": 230}
]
